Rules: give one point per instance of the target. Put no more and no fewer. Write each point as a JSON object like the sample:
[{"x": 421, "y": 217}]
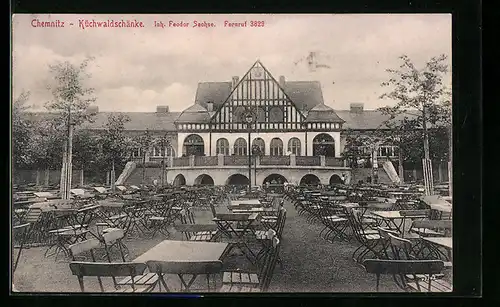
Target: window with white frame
[
  {"x": 222, "y": 146},
  {"x": 294, "y": 146},
  {"x": 240, "y": 147},
  {"x": 276, "y": 147}
]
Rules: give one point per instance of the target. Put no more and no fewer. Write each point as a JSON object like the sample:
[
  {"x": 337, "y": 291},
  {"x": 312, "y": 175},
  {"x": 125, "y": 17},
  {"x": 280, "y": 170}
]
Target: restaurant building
[{"x": 291, "y": 134}]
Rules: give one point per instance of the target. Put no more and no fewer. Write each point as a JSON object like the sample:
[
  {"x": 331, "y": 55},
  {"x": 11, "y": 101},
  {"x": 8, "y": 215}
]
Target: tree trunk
[
  {"x": 414, "y": 174},
  {"x": 107, "y": 178},
  {"x": 69, "y": 167},
  {"x": 81, "y": 177},
  {"x": 440, "y": 172},
  {"x": 144, "y": 168},
  {"x": 47, "y": 175},
  {"x": 62, "y": 182},
  {"x": 37, "y": 177},
  {"x": 113, "y": 181}
]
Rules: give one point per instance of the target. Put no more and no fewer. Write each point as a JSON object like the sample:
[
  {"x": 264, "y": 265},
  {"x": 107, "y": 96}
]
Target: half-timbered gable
[{"x": 260, "y": 92}]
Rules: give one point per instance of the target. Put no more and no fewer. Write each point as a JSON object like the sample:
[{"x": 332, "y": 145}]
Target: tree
[
  {"x": 422, "y": 99},
  {"x": 21, "y": 132},
  {"x": 47, "y": 146},
  {"x": 86, "y": 148},
  {"x": 71, "y": 99},
  {"x": 116, "y": 147}
]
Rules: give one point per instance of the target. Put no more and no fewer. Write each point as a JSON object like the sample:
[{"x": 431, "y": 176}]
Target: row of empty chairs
[{"x": 379, "y": 238}]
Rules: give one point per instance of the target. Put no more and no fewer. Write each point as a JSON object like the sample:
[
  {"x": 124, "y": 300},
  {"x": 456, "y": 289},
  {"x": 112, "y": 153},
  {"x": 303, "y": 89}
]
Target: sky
[{"x": 137, "y": 69}]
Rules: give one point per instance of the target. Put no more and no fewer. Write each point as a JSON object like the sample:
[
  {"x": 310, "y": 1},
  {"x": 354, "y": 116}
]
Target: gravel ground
[{"x": 310, "y": 264}]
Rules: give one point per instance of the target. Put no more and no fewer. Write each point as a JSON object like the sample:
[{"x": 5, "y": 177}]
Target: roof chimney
[
  {"x": 357, "y": 108},
  {"x": 92, "y": 110},
  {"x": 235, "y": 80},
  {"x": 282, "y": 81},
  {"x": 162, "y": 109},
  {"x": 210, "y": 106}
]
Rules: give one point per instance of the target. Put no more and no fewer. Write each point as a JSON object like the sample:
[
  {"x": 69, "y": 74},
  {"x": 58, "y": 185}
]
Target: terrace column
[
  {"x": 322, "y": 160},
  {"x": 191, "y": 160},
  {"x": 257, "y": 160},
  {"x": 292, "y": 160},
  {"x": 220, "y": 160}
]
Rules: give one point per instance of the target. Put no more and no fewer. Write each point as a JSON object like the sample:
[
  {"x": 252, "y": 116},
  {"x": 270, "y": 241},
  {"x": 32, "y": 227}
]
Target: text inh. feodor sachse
[{"x": 85, "y": 24}]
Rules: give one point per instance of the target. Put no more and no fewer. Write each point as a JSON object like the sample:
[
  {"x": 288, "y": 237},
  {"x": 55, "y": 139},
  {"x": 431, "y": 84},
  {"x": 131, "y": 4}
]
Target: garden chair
[
  {"x": 368, "y": 238},
  {"x": 113, "y": 270},
  {"x": 412, "y": 268},
  {"x": 334, "y": 222},
  {"x": 77, "y": 249},
  {"x": 181, "y": 269},
  {"x": 35, "y": 232},
  {"x": 19, "y": 236},
  {"x": 77, "y": 230},
  {"x": 161, "y": 218},
  {"x": 113, "y": 238},
  {"x": 422, "y": 214},
  {"x": 404, "y": 249},
  {"x": 193, "y": 231},
  {"x": 239, "y": 281},
  {"x": 385, "y": 241}
]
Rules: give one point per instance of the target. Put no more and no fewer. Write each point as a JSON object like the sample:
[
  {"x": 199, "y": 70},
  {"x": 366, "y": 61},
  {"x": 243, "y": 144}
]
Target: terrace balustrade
[{"x": 222, "y": 160}]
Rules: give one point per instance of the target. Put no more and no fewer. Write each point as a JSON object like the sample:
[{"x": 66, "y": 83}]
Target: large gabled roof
[
  {"x": 216, "y": 92},
  {"x": 194, "y": 114},
  {"x": 365, "y": 120},
  {"x": 323, "y": 113},
  {"x": 304, "y": 94},
  {"x": 138, "y": 120}
]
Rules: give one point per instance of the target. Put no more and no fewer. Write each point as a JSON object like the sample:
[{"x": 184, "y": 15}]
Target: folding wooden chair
[
  {"x": 193, "y": 268},
  {"x": 36, "y": 229},
  {"x": 385, "y": 240},
  {"x": 239, "y": 281},
  {"x": 335, "y": 222},
  {"x": 193, "y": 231},
  {"x": 368, "y": 238},
  {"x": 413, "y": 268},
  {"x": 414, "y": 215},
  {"x": 78, "y": 250},
  {"x": 113, "y": 270},
  {"x": 19, "y": 236},
  {"x": 113, "y": 238},
  {"x": 162, "y": 217}
]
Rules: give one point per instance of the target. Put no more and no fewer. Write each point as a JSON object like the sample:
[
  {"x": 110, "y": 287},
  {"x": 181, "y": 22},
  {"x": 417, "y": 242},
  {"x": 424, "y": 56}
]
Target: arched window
[
  {"x": 276, "y": 115},
  {"x": 294, "y": 146},
  {"x": 155, "y": 151},
  {"x": 194, "y": 145},
  {"x": 324, "y": 145},
  {"x": 261, "y": 115},
  {"x": 240, "y": 147},
  {"x": 237, "y": 114},
  {"x": 276, "y": 147},
  {"x": 137, "y": 152},
  {"x": 222, "y": 147},
  {"x": 261, "y": 144}
]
